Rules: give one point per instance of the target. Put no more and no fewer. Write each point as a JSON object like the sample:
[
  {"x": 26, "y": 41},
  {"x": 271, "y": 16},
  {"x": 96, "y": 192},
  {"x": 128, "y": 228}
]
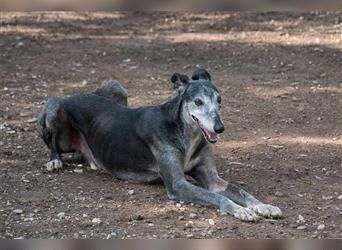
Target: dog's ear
[
  {"x": 201, "y": 74},
  {"x": 179, "y": 81}
]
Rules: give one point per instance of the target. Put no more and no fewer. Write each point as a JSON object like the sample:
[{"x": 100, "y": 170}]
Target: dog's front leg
[
  {"x": 207, "y": 177},
  {"x": 178, "y": 188}
]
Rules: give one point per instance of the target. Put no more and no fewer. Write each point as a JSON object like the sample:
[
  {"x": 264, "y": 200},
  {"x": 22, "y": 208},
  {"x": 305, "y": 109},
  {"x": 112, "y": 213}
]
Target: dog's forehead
[{"x": 201, "y": 87}]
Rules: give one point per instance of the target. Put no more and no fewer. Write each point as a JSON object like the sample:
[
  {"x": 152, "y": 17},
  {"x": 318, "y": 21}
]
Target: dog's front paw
[
  {"x": 54, "y": 165},
  {"x": 267, "y": 211},
  {"x": 245, "y": 214}
]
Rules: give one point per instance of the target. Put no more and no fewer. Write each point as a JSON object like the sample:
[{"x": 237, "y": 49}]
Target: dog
[{"x": 169, "y": 141}]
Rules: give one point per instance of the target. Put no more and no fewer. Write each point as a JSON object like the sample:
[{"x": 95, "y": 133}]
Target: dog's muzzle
[{"x": 210, "y": 136}]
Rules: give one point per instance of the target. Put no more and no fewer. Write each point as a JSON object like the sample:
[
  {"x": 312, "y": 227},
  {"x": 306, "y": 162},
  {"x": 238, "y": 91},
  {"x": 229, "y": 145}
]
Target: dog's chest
[{"x": 191, "y": 147}]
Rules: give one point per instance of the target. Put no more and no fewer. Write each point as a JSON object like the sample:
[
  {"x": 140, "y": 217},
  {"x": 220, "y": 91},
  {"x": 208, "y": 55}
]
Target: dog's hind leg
[
  {"x": 53, "y": 129},
  {"x": 113, "y": 90}
]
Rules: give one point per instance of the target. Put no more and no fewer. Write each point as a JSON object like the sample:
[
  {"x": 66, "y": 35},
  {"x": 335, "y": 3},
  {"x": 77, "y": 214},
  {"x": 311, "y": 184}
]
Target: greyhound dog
[{"x": 167, "y": 142}]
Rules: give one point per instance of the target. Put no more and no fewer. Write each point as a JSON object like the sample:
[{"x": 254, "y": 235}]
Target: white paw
[
  {"x": 245, "y": 214},
  {"x": 54, "y": 165},
  {"x": 267, "y": 211}
]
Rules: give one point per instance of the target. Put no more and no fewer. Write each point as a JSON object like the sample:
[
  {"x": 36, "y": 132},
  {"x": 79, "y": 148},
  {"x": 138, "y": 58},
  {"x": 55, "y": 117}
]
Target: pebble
[
  {"x": 61, "y": 215},
  {"x": 317, "y": 178},
  {"x": 131, "y": 192},
  {"x": 18, "y": 211},
  {"x": 189, "y": 224},
  {"x": 96, "y": 221},
  {"x": 279, "y": 194},
  {"x": 300, "y": 219},
  {"x": 32, "y": 120},
  {"x": 330, "y": 197},
  {"x": 301, "y": 227},
  {"x": 339, "y": 197},
  {"x": 192, "y": 216},
  {"x": 320, "y": 227},
  {"x": 211, "y": 222},
  {"x": 78, "y": 171},
  {"x": 181, "y": 218},
  {"x": 20, "y": 44}
]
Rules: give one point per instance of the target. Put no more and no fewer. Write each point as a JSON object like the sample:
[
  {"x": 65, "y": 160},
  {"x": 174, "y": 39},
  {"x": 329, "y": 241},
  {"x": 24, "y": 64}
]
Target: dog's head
[{"x": 201, "y": 102}]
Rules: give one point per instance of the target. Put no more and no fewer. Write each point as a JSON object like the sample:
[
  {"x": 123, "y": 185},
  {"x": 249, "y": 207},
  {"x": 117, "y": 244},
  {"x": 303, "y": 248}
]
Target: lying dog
[{"x": 145, "y": 144}]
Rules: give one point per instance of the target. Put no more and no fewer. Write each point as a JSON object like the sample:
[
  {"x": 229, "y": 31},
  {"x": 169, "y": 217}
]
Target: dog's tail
[{"x": 113, "y": 90}]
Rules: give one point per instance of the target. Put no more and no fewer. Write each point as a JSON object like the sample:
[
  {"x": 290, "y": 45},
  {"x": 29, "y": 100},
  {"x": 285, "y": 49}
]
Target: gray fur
[{"x": 167, "y": 141}]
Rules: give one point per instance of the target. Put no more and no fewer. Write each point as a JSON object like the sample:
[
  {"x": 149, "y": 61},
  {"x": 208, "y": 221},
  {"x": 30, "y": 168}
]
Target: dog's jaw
[{"x": 209, "y": 136}]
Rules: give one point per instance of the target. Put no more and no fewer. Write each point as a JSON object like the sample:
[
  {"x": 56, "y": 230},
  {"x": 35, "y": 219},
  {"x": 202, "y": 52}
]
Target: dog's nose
[{"x": 219, "y": 128}]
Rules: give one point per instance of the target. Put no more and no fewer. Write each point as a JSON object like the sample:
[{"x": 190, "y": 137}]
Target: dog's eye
[
  {"x": 198, "y": 102},
  {"x": 219, "y": 99}
]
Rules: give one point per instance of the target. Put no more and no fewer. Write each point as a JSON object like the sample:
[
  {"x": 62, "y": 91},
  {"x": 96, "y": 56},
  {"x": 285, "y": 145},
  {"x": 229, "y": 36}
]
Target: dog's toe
[
  {"x": 54, "y": 165},
  {"x": 246, "y": 214},
  {"x": 267, "y": 211}
]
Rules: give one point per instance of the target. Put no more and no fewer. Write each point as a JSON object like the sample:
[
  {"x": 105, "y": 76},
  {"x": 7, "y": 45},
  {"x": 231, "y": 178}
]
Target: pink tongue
[{"x": 212, "y": 136}]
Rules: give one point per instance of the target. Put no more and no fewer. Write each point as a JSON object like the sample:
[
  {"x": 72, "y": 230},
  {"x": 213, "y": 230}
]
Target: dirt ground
[{"x": 280, "y": 75}]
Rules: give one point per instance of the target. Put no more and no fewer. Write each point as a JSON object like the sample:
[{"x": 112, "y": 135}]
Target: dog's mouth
[{"x": 210, "y": 136}]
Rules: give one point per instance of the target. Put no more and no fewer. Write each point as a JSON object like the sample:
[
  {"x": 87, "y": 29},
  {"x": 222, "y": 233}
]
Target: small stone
[
  {"x": 192, "y": 216},
  {"x": 339, "y": 197},
  {"x": 18, "y": 211},
  {"x": 32, "y": 120},
  {"x": 96, "y": 221},
  {"x": 178, "y": 205},
  {"x": 79, "y": 171},
  {"x": 330, "y": 197},
  {"x": 181, "y": 218},
  {"x": 278, "y": 194},
  {"x": 301, "y": 227},
  {"x": 131, "y": 192},
  {"x": 317, "y": 178},
  {"x": 320, "y": 227},
  {"x": 190, "y": 224},
  {"x": 300, "y": 219},
  {"x": 61, "y": 215},
  {"x": 211, "y": 222}
]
